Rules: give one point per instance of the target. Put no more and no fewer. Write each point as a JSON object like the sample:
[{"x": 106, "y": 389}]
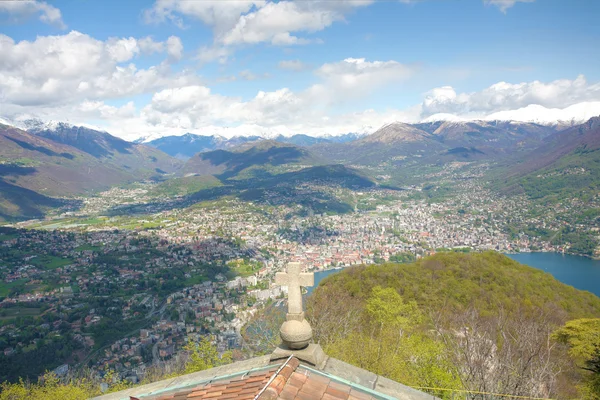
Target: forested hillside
[
  {"x": 567, "y": 164},
  {"x": 477, "y": 322}
]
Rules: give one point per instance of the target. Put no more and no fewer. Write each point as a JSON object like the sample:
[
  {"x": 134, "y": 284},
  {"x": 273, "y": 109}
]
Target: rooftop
[{"x": 266, "y": 379}]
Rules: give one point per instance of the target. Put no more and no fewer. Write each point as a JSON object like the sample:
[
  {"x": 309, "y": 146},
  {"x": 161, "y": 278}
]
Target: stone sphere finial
[{"x": 296, "y": 335}]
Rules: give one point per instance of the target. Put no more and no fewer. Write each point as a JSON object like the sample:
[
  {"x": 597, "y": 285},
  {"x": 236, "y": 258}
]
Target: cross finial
[
  {"x": 294, "y": 279},
  {"x": 295, "y": 332}
]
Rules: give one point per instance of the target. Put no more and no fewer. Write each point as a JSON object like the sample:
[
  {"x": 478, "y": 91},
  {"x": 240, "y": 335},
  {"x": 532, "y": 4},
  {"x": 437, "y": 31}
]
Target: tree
[
  {"x": 386, "y": 307},
  {"x": 583, "y": 338},
  {"x": 508, "y": 353},
  {"x": 204, "y": 355},
  {"x": 261, "y": 334},
  {"x": 389, "y": 339},
  {"x": 433, "y": 266},
  {"x": 50, "y": 388}
]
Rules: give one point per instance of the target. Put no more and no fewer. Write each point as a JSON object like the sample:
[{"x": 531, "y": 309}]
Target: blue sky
[{"x": 140, "y": 68}]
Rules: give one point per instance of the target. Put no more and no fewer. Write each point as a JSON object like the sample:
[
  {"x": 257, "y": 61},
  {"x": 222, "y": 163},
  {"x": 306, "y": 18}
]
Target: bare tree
[
  {"x": 336, "y": 315},
  {"x": 508, "y": 353},
  {"x": 260, "y": 335},
  {"x": 434, "y": 266}
]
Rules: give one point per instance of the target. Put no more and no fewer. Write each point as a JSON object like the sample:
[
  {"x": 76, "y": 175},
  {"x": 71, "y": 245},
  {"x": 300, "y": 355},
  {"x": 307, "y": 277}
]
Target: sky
[{"x": 325, "y": 67}]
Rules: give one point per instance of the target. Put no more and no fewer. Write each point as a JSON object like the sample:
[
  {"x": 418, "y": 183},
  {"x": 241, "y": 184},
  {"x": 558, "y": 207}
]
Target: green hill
[
  {"x": 249, "y": 160},
  {"x": 487, "y": 281},
  {"x": 453, "y": 324}
]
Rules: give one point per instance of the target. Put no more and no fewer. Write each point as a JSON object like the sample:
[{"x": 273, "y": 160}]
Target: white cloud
[
  {"x": 75, "y": 66},
  {"x": 356, "y": 77},
  {"x": 501, "y": 96},
  {"x": 98, "y": 109},
  {"x": 24, "y": 9},
  {"x": 219, "y": 14},
  {"x": 575, "y": 114},
  {"x": 275, "y": 22},
  {"x": 258, "y": 21},
  {"x": 248, "y": 75},
  {"x": 504, "y": 5},
  {"x": 207, "y": 54},
  {"x": 195, "y": 108},
  {"x": 174, "y": 48},
  {"x": 147, "y": 45},
  {"x": 74, "y": 77},
  {"x": 293, "y": 65}
]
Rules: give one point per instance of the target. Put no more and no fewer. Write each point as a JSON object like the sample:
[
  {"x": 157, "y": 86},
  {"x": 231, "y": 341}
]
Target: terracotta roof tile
[
  {"x": 340, "y": 387},
  {"x": 290, "y": 382},
  {"x": 327, "y": 396},
  {"x": 335, "y": 393},
  {"x": 288, "y": 393}
]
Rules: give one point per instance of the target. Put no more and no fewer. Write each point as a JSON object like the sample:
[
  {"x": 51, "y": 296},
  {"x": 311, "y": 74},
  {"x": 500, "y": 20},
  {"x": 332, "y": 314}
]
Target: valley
[{"x": 183, "y": 247}]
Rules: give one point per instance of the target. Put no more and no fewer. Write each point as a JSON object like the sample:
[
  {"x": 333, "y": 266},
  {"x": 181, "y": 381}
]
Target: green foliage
[
  {"x": 244, "y": 267},
  {"x": 487, "y": 281},
  {"x": 261, "y": 333},
  {"x": 50, "y": 262},
  {"x": 583, "y": 338},
  {"x": 17, "y": 286},
  {"x": 34, "y": 361},
  {"x": 88, "y": 247},
  {"x": 386, "y": 307},
  {"x": 390, "y": 340},
  {"x": 204, "y": 355},
  {"x": 401, "y": 321},
  {"x": 50, "y": 388},
  {"x": 404, "y": 257},
  {"x": 110, "y": 329},
  {"x": 115, "y": 384}
]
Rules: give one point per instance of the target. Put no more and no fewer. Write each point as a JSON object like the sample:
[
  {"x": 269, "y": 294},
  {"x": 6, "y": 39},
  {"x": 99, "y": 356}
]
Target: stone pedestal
[{"x": 312, "y": 354}]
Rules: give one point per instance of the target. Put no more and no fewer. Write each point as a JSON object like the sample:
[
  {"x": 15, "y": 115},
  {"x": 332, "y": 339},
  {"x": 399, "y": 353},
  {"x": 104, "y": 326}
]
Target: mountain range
[
  {"x": 566, "y": 165},
  {"x": 46, "y": 163},
  {"x": 466, "y": 139},
  {"x": 68, "y": 161},
  {"x": 186, "y": 146}
]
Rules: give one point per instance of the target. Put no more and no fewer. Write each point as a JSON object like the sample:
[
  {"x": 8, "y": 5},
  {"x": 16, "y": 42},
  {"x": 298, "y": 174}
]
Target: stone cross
[{"x": 294, "y": 279}]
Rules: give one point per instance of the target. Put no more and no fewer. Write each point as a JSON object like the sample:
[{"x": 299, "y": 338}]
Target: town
[{"x": 126, "y": 292}]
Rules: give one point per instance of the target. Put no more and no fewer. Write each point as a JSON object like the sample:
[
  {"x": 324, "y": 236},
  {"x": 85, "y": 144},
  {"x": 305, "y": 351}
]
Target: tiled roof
[
  {"x": 246, "y": 387},
  {"x": 287, "y": 381}
]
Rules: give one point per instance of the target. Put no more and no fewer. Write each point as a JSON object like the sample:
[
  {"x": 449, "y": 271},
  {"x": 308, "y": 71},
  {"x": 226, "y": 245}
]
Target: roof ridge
[{"x": 275, "y": 385}]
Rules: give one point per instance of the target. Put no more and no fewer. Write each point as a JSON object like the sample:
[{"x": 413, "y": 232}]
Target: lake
[{"x": 580, "y": 272}]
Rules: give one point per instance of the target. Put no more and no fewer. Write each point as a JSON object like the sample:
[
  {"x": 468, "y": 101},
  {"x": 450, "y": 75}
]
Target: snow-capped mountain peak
[
  {"x": 575, "y": 114},
  {"x": 533, "y": 113},
  {"x": 444, "y": 117}
]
